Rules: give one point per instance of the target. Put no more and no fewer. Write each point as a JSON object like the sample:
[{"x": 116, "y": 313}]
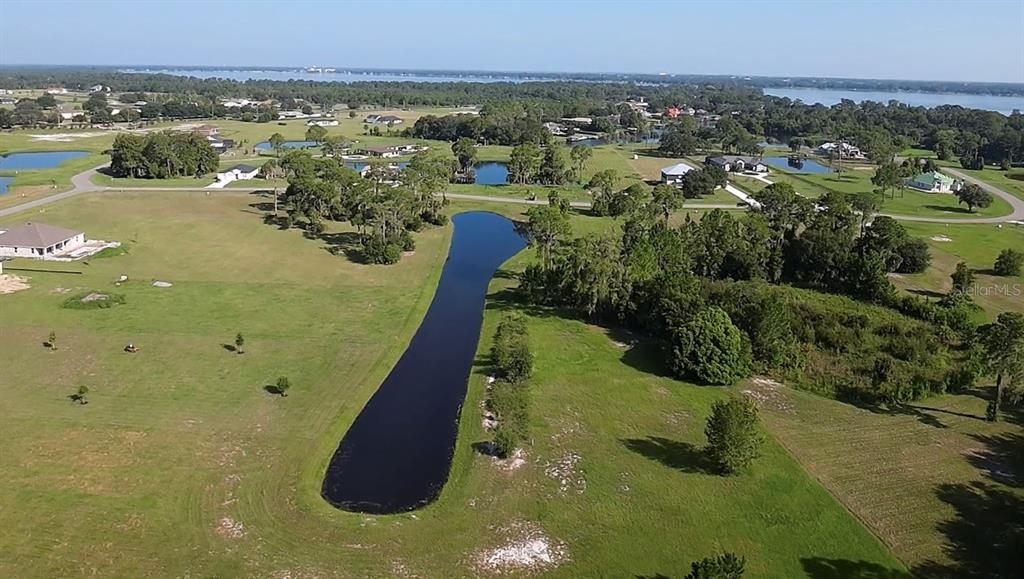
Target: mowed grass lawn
[
  {"x": 934, "y": 479},
  {"x": 978, "y": 245},
  {"x": 182, "y": 465}
]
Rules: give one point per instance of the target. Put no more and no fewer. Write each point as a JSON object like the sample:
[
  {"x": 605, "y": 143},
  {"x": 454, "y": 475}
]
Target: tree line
[{"x": 162, "y": 155}]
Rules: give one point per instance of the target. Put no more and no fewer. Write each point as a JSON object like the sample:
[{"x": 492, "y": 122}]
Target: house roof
[
  {"x": 933, "y": 177},
  {"x": 244, "y": 168},
  {"x": 677, "y": 169},
  {"x": 723, "y": 159},
  {"x": 35, "y": 235},
  {"x": 381, "y": 149}
]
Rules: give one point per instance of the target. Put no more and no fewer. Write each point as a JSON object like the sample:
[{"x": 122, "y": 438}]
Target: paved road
[{"x": 82, "y": 183}]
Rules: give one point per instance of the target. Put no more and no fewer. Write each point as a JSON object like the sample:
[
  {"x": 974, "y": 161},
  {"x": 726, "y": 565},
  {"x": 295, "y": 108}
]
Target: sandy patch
[
  {"x": 567, "y": 473},
  {"x": 768, "y": 392},
  {"x": 230, "y": 528},
  {"x": 940, "y": 237},
  {"x": 65, "y": 137},
  {"x": 12, "y": 283},
  {"x": 527, "y": 548}
]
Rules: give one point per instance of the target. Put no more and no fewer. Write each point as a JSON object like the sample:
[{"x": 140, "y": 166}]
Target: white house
[
  {"x": 322, "y": 123},
  {"x": 38, "y": 240},
  {"x": 737, "y": 164},
  {"x": 933, "y": 182},
  {"x": 674, "y": 174},
  {"x": 845, "y": 149},
  {"x": 238, "y": 173}
]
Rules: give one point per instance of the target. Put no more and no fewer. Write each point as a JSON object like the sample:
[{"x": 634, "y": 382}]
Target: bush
[
  {"x": 732, "y": 432},
  {"x": 914, "y": 256},
  {"x": 505, "y": 441},
  {"x": 724, "y": 566},
  {"x": 1009, "y": 262},
  {"x": 511, "y": 406},
  {"x": 378, "y": 250},
  {"x": 406, "y": 241},
  {"x": 93, "y": 300},
  {"x": 510, "y": 352},
  {"x": 710, "y": 348}
]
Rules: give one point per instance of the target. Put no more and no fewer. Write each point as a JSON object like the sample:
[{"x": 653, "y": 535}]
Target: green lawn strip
[{"x": 907, "y": 474}]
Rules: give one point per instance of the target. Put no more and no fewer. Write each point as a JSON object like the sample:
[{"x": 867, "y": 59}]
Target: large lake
[
  {"x": 829, "y": 97},
  {"x": 397, "y": 453},
  {"x": 341, "y": 76}
]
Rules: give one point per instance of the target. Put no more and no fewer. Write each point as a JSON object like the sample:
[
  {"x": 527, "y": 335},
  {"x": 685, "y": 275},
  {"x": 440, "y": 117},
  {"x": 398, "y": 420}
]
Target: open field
[
  {"x": 978, "y": 245},
  {"x": 933, "y": 479},
  {"x": 181, "y": 464}
]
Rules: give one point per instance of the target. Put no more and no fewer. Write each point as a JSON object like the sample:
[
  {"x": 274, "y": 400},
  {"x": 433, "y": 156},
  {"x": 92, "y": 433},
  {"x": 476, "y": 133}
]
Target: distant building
[
  {"x": 56, "y": 89},
  {"x": 737, "y": 164},
  {"x": 238, "y": 173},
  {"x": 99, "y": 88},
  {"x": 556, "y": 129},
  {"x": 38, "y": 240},
  {"x": 322, "y": 123},
  {"x": 206, "y": 130},
  {"x": 846, "y": 150},
  {"x": 674, "y": 174},
  {"x": 383, "y": 120},
  {"x": 577, "y": 121},
  {"x": 933, "y": 182}
]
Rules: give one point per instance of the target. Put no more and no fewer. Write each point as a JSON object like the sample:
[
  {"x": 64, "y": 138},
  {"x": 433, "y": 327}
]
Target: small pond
[
  {"x": 396, "y": 455},
  {"x": 265, "y": 145},
  {"x": 805, "y": 166},
  {"x": 491, "y": 173},
  {"x": 5, "y": 183},
  {"x": 38, "y": 160}
]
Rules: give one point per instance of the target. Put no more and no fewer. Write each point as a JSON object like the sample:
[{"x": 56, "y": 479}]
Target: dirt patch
[
  {"x": 768, "y": 393},
  {"x": 230, "y": 528},
  {"x": 12, "y": 283},
  {"x": 567, "y": 473},
  {"x": 527, "y": 548},
  {"x": 94, "y": 297}
]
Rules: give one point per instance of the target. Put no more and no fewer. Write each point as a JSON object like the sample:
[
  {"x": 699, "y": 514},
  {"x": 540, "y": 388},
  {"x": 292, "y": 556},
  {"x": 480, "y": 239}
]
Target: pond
[
  {"x": 491, "y": 173},
  {"x": 265, "y": 145},
  {"x": 397, "y": 454},
  {"x": 39, "y": 160},
  {"x": 805, "y": 166},
  {"x": 5, "y": 183}
]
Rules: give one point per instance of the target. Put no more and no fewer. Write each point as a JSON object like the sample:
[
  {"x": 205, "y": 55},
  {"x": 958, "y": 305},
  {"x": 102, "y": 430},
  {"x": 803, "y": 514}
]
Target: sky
[{"x": 973, "y": 40}]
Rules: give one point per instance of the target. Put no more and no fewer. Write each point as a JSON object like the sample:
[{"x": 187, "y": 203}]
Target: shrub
[
  {"x": 406, "y": 241},
  {"x": 732, "y": 433},
  {"x": 1009, "y": 262},
  {"x": 378, "y": 250},
  {"x": 505, "y": 441},
  {"x": 510, "y": 352},
  {"x": 710, "y": 348},
  {"x": 914, "y": 256},
  {"x": 93, "y": 300},
  {"x": 511, "y": 406},
  {"x": 724, "y": 566}
]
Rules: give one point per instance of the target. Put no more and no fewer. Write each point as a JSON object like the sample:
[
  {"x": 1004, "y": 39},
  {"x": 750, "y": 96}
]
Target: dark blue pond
[
  {"x": 492, "y": 173},
  {"x": 5, "y": 182},
  {"x": 805, "y": 166},
  {"x": 265, "y": 145},
  {"x": 40, "y": 160},
  {"x": 397, "y": 454}
]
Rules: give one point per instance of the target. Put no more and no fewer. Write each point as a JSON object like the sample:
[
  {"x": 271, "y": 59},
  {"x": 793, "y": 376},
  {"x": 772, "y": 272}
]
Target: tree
[
  {"x": 524, "y": 163},
  {"x": 52, "y": 340},
  {"x": 282, "y": 386},
  {"x": 239, "y": 342},
  {"x": 603, "y": 182},
  {"x": 732, "y": 434},
  {"x": 579, "y": 155},
  {"x": 80, "y": 396},
  {"x": 963, "y": 278},
  {"x": 678, "y": 143},
  {"x": 1003, "y": 351},
  {"x": 47, "y": 101},
  {"x": 866, "y": 205},
  {"x": 316, "y": 133},
  {"x": 888, "y": 177},
  {"x": 465, "y": 153},
  {"x": 545, "y": 228},
  {"x": 796, "y": 144},
  {"x": 510, "y": 351},
  {"x": 666, "y": 199},
  {"x": 710, "y": 348},
  {"x": 1009, "y": 262},
  {"x": 277, "y": 142},
  {"x": 973, "y": 196},
  {"x": 724, "y": 566},
  {"x": 554, "y": 168}
]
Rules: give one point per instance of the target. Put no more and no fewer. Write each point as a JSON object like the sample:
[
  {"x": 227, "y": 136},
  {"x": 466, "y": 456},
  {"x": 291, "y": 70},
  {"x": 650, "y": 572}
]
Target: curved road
[{"x": 82, "y": 183}]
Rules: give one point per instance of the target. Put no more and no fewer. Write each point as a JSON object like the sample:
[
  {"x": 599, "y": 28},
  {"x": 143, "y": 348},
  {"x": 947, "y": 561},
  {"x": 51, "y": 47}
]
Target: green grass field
[{"x": 181, "y": 464}]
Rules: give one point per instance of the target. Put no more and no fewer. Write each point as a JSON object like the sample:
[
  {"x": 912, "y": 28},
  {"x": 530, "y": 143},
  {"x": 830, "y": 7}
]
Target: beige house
[{"x": 38, "y": 240}]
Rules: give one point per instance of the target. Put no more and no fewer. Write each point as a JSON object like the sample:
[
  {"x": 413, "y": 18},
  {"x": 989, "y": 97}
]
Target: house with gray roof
[{"x": 38, "y": 240}]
